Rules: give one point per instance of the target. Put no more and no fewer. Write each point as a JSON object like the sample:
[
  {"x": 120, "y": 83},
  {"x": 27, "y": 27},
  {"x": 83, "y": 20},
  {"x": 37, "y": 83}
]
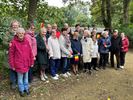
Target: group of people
[{"x": 54, "y": 49}]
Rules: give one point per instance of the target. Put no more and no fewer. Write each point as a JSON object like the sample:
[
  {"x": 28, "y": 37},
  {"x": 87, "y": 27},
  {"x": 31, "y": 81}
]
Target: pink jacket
[
  {"x": 33, "y": 43},
  {"x": 125, "y": 44},
  {"x": 20, "y": 55}
]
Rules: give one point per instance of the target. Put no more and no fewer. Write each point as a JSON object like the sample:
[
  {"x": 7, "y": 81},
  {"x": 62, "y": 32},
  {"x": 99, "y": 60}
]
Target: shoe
[
  {"x": 90, "y": 72},
  {"x": 84, "y": 70},
  {"x": 13, "y": 87},
  {"x": 95, "y": 69},
  {"x": 57, "y": 75},
  {"x": 55, "y": 78},
  {"x": 42, "y": 78},
  {"x": 122, "y": 67},
  {"x": 65, "y": 75},
  {"x": 45, "y": 76},
  {"x": 21, "y": 94},
  {"x": 27, "y": 92},
  {"x": 68, "y": 74}
]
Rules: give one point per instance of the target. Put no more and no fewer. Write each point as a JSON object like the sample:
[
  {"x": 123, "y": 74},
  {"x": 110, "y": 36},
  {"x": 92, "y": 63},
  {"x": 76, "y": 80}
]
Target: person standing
[
  {"x": 6, "y": 43},
  {"x": 66, "y": 51},
  {"x": 42, "y": 53},
  {"x": 77, "y": 52},
  {"x": 95, "y": 53},
  {"x": 124, "y": 50},
  {"x": 30, "y": 36},
  {"x": 21, "y": 59},
  {"x": 87, "y": 48},
  {"x": 104, "y": 45},
  {"x": 54, "y": 54},
  {"x": 116, "y": 44}
]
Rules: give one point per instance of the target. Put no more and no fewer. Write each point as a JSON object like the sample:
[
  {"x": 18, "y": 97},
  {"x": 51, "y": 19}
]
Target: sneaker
[
  {"x": 21, "y": 94},
  {"x": 122, "y": 67},
  {"x": 57, "y": 75},
  {"x": 45, "y": 76},
  {"x": 55, "y": 78},
  {"x": 65, "y": 75},
  {"x": 42, "y": 78},
  {"x": 69, "y": 74}
]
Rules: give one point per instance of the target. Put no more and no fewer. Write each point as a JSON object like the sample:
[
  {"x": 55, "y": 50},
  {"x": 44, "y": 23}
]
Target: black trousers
[
  {"x": 87, "y": 66},
  {"x": 122, "y": 58},
  {"x": 103, "y": 59},
  {"x": 94, "y": 62},
  {"x": 117, "y": 55}
]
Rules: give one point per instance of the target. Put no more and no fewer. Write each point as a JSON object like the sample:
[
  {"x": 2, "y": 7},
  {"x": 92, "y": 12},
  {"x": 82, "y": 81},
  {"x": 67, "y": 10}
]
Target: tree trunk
[
  {"x": 106, "y": 13},
  {"x": 103, "y": 15},
  {"x": 126, "y": 11},
  {"x": 32, "y": 11}
]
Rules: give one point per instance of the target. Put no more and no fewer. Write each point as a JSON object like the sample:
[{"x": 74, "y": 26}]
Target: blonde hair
[
  {"x": 15, "y": 21},
  {"x": 88, "y": 32},
  {"x": 42, "y": 29},
  {"x": 20, "y": 30}
]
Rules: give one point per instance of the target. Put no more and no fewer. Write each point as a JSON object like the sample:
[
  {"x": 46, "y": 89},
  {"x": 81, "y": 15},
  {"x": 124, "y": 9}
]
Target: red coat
[
  {"x": 20, "y": 55},
  {"x": 57, "y": 34},
  {"x": 125, "y": 44}
]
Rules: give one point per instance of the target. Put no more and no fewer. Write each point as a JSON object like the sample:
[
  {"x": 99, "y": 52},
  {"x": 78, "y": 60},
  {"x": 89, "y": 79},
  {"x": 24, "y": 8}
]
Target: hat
[{"x": 116, "y": 31}]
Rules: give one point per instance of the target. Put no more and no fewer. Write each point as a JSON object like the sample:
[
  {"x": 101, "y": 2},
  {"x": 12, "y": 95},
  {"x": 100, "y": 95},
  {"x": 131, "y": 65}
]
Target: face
[
  {"x": 55, "y": 26},
  {"x": 54, "y": 33},
  {"x": 64, "y": 32},
  {"x": 122, "y": 35},
  {"x": 78, "y": 28},
  {"x": 32, "y": 29},
  {"x": 43, "y": 32},
  {"x": 15, "y": 26},
  {"x": 20, "y": 35},
  {"x": 76, "y": 34},
  {"x": 49, "y": 28},
  {"x": 66, "y": 26},
  {"x": 115, "y": 33},
  {"x": 85, "y": 34}
]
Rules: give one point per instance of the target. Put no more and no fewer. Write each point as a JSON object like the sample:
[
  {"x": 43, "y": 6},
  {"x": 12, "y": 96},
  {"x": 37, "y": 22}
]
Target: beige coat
[{"x": 87, "y": 48}]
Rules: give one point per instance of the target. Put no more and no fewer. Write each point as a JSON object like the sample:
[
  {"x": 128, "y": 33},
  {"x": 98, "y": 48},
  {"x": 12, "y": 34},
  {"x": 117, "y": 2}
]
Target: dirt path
[{"x": 115, "y": 84}]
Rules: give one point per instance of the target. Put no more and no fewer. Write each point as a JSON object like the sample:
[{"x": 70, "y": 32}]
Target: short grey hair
[{"x": 20, "y": 30}]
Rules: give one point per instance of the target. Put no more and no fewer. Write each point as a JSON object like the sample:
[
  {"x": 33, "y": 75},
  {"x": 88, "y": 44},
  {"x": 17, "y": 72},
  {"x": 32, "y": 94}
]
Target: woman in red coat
[
  {"x": 124, "y": 49},
  {"x": 20, "y": 59}
]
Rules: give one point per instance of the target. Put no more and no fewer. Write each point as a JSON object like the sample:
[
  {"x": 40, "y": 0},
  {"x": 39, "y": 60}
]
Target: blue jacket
[
  {"x": 76, "y": 46},
  {"x": 104, "y": 45}
]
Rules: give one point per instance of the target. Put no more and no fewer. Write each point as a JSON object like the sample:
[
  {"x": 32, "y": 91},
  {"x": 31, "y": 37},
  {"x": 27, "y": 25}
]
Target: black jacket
[
  {"x": 42, "y": 55},
  {"x": 116, "y": 44}
]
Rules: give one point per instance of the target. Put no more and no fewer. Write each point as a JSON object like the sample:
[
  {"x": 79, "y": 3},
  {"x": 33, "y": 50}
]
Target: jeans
[
  {"x": 13, "y": 77},
  {"x": 122, "y": 58},
  {"x": 23, "y": 81},
  {"x": 64, "y": 65},
  {"x": 30, "y": 75},
  {"x": 54, "y": 65}
]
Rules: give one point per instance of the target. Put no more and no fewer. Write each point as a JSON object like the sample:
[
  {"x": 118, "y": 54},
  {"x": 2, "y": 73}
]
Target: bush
[{"x": 128, "y": 30}]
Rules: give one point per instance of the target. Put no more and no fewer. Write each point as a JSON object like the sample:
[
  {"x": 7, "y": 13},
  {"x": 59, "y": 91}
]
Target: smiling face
[
  {"x": 20, "y": 33},
  {"x": 43, "y": 31},
  {"x": 15, "y": 25}
]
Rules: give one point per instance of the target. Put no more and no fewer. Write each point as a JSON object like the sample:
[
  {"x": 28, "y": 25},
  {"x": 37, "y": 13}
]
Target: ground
[{"x": 109, "y": 84}]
